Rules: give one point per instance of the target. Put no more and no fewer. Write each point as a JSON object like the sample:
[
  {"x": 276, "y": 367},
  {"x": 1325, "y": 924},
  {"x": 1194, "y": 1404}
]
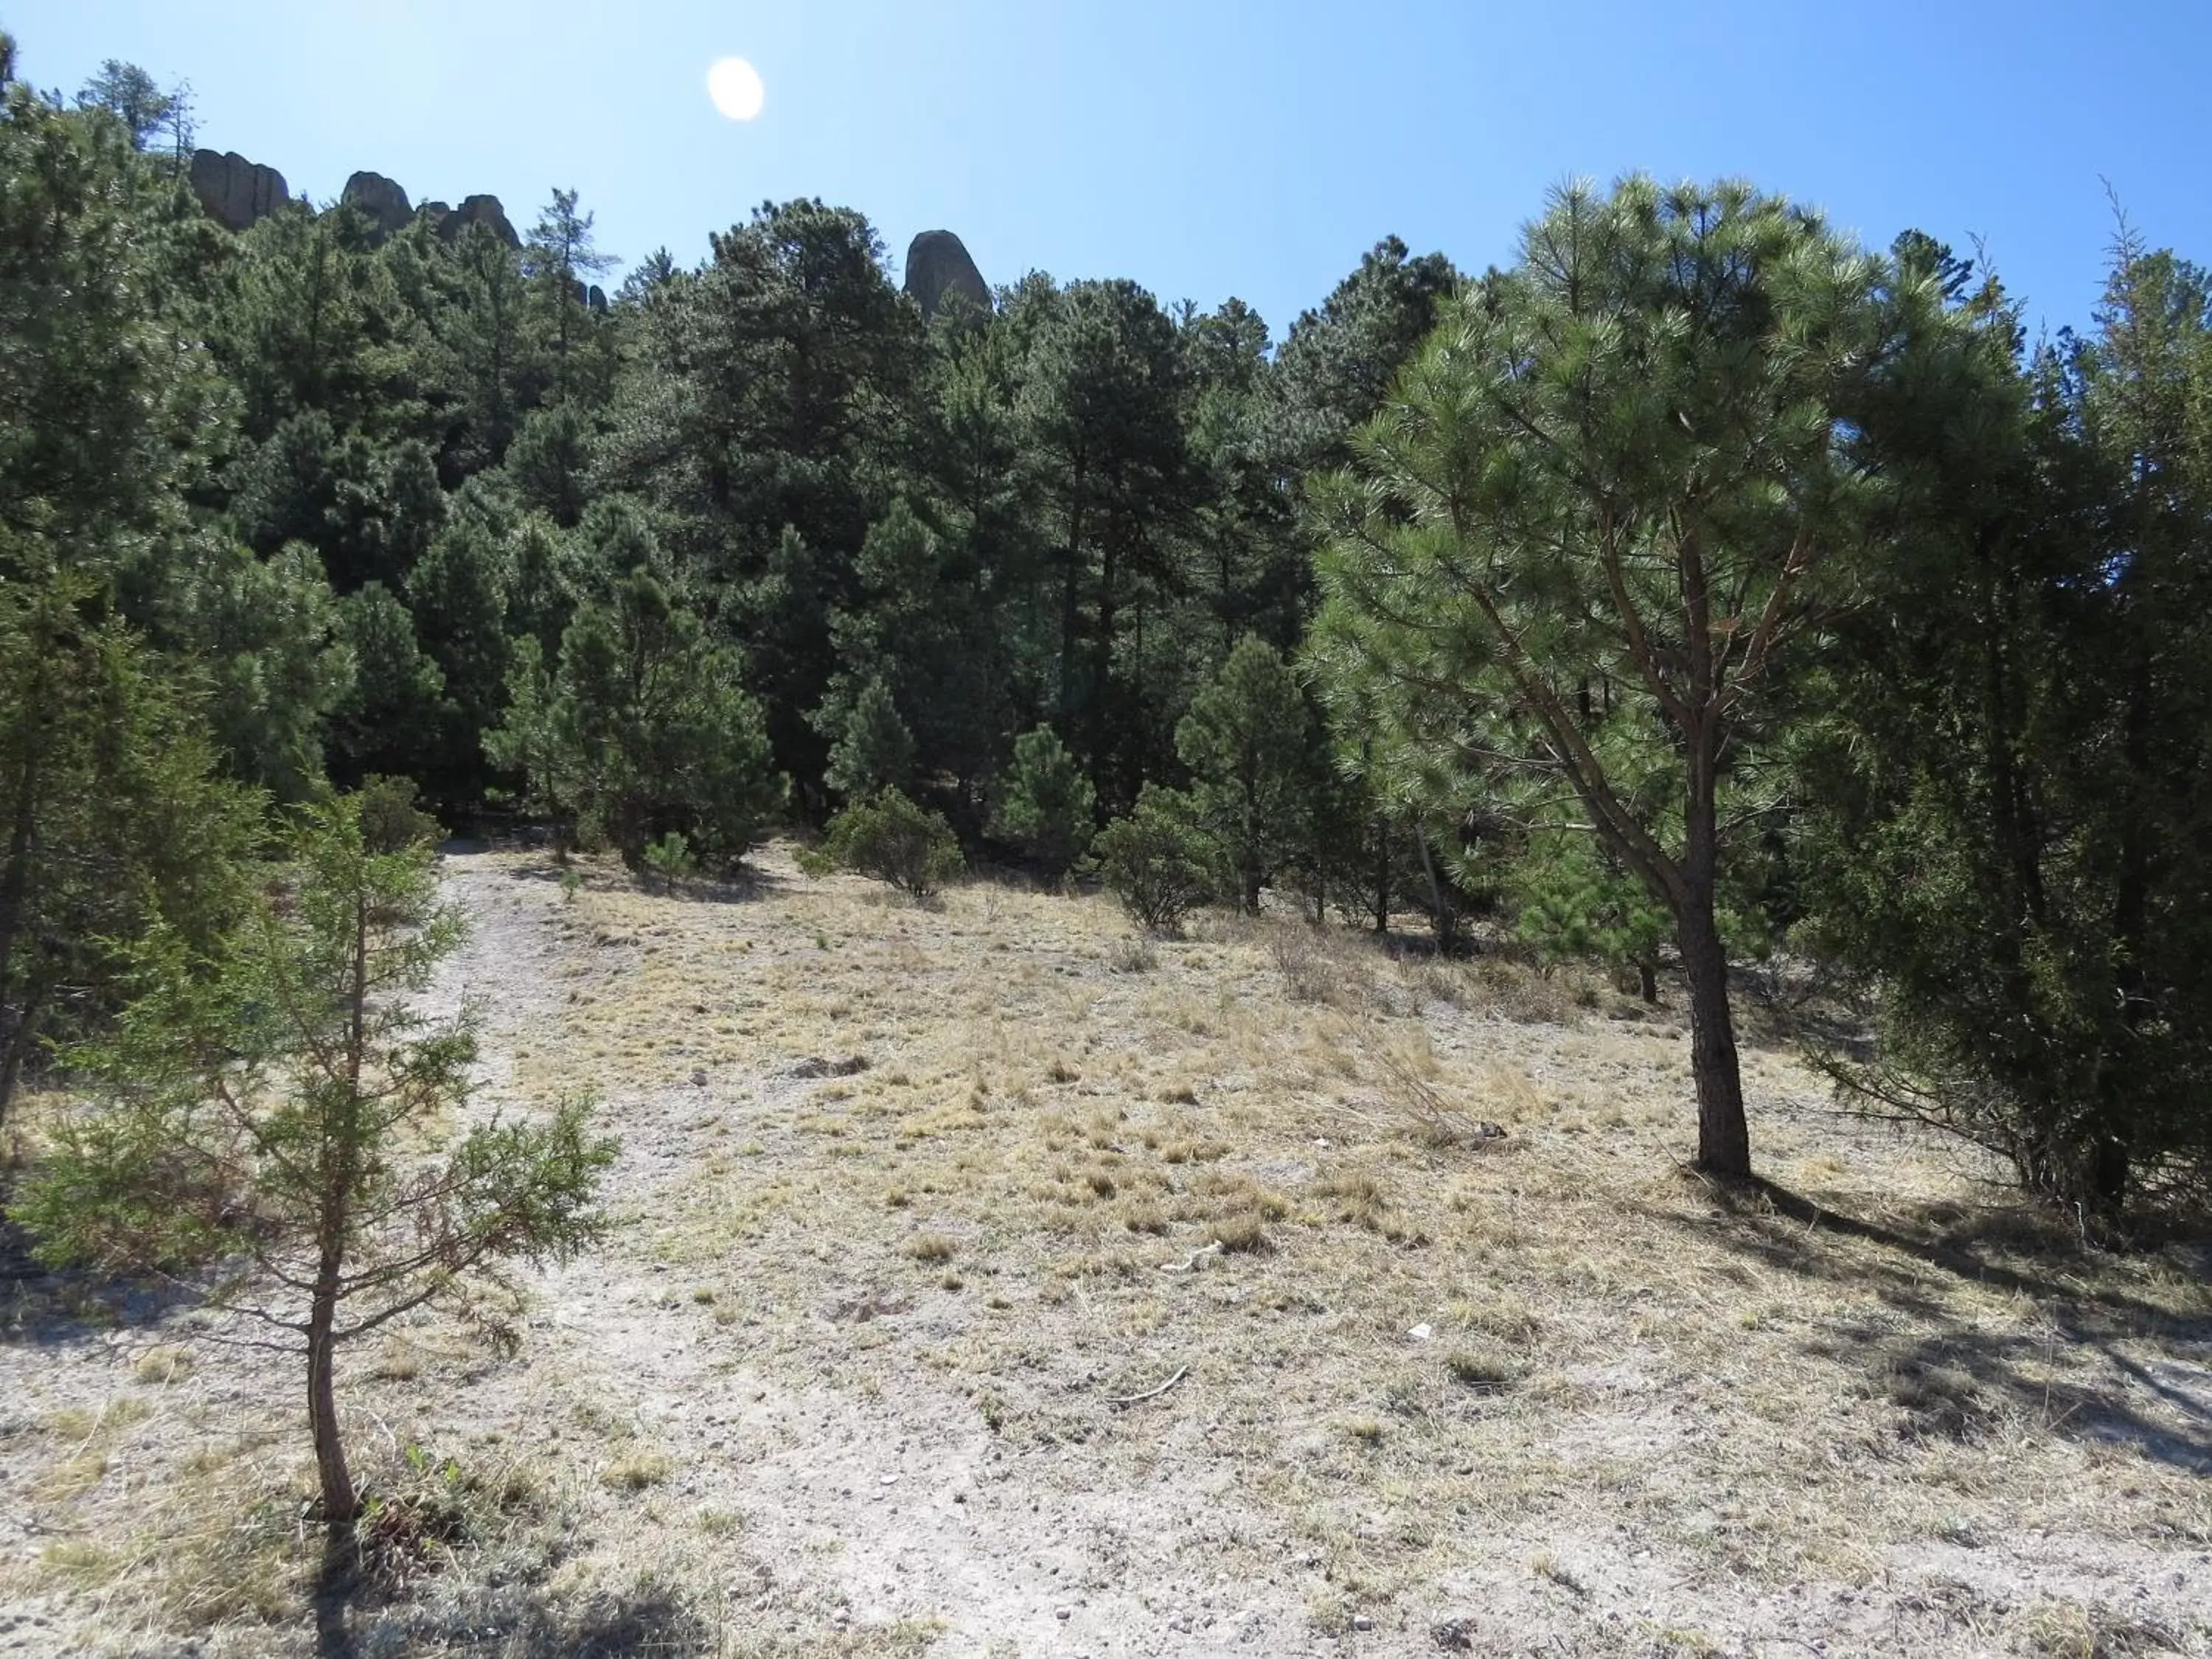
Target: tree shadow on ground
[
  {"x": 44, "y": 1307},
  {"x": 746, "y": 885},
  {"x": 1952, "y": 1377},
  {"x": 354, "y": 1618}
]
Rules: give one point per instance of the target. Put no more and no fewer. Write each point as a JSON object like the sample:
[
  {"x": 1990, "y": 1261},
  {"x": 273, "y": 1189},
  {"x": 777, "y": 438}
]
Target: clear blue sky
[{"x": 1211, "y": 147}]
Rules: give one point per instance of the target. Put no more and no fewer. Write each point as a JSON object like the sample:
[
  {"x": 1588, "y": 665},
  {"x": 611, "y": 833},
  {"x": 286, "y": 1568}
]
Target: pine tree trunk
[
  {"x": 2110, "y": 1162},
  {"x": 1647, "y": 979},
  {"x": 15, "y": 888},
  {"x": 1724, "y": 1136},
  {"x": 1382, "y": 876},
  {"x": 341, "y": 1504},
  {"x": 1070, "y": 601},
  {"x": 1446, "y": 920},
  {"x": 14, "y": 1048}
]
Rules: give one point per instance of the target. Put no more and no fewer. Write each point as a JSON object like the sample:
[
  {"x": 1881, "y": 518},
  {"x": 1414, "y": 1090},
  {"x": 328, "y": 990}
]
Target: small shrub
[
  {"x": 391, "y": 822},
  {"x": 1048, "y": 805},
  {"x": 1154, "y": 861},
  {"x": 1131, "y": 955},
  {"x": 931, "y": 1247},
  {"x": 889, "y": 837},
  {"x": 669, "y": 860}
]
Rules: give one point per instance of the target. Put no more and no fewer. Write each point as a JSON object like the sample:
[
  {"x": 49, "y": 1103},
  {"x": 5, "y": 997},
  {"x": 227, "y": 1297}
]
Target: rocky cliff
[
  {"x": 449, "y": 222},
  {"x": 236, "y": 191},
  {"x": 938, "y": 263},
  {"x": 380, "y": 201}
]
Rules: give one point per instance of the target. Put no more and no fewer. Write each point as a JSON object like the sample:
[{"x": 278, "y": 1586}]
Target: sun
[{"x": 735, "y": 86}]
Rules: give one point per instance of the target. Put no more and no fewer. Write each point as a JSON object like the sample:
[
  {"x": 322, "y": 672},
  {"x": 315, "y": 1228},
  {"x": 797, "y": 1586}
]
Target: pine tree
[
  {"x": 1248, "y": 741},
  {"x": 1048, "y": 808},
  {"x": 1571, "y": 900},
  {"x": 1627, "y": 463},
  {"x": 111, "y": 816},
  {"x": 132, "y": 97},
  {"x": 269, "y": 1112},
  {"x": 641, "y": 727},
  {"x": 263, "y": 638},
  {"x": 462, "y": 595},
  {"x": 1101, "y": 408},
  {"x": 2010, "y": 783},
  {"x": 113, "y": 819},
  {"x": 874, "y": 751},
  {"x": 560, "y": 258},
  {"x": 388, "y": 721}
]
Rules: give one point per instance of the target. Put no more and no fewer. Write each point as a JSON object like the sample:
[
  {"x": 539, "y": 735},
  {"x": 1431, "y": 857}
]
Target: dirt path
[
  {"x": 908, "y": 1198},
  {"x": 854, "y": 1512}
]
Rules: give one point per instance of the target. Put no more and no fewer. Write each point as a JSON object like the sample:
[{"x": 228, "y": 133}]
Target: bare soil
[{"x": 984, "y": 1279}]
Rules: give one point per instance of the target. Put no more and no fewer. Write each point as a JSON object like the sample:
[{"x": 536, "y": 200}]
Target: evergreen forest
[{"x": 1701, "y": 594}]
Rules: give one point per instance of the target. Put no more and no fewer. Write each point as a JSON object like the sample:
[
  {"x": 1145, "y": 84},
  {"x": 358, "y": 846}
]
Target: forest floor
[{"x": 983, "y": 1280}]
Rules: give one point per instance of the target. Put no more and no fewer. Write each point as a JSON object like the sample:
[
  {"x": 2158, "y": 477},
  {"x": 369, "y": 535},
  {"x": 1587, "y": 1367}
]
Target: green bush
[
  {"x": 1156, "y": 860},
  {"x": 1048, "y": 803},
  {"x": 669, "y": 860},
  {"x": 1572, "y": 899},
  {"x": 391, "y": 822},
  {"x": 890, "y": 838}
]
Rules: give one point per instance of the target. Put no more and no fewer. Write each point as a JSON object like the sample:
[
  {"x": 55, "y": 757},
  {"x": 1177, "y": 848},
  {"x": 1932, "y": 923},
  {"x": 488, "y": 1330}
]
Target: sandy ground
[{"x": 911, "y": 1200}]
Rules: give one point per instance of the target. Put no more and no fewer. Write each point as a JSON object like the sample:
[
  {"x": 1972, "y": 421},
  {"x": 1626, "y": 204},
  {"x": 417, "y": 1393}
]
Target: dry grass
[{"x": 1416, "y": 1233}]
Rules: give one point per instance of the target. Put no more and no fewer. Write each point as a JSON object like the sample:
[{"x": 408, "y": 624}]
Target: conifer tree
[
  {"x": 1631, "y": 460},
  {"x": 642, "y": 727},
  {"x": 1247, "y": 742},
  {"x": 388, "y": 720},
  {"x": 561, "y": 257},
  {"x": 1048, "y": 808},
  {"x": 2012, "y": 780},
  {"x": 113, "y": 819},
  {"x": 874, "y": 751},
  {"x": 266, "y": 1114}
]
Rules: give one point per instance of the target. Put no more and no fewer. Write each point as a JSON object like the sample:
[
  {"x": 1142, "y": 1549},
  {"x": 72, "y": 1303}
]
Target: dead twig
[{"x": 1182, "y": 1372}]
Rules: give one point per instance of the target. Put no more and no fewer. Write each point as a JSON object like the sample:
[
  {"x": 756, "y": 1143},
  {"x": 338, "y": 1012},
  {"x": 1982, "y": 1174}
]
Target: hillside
[{"x": 985, "y": 1278}]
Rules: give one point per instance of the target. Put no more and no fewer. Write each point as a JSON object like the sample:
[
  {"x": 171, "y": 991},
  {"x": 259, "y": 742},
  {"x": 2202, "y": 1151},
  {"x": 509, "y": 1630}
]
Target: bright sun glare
[{"x": 735, "y": 86}]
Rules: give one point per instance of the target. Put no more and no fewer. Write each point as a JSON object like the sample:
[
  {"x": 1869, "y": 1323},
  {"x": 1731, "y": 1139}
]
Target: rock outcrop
[
  {"x": 447, "y": 223},
  {"x": 236, "y": 191},
  {"x": 382, "y": 202},
  {"x": 937, "y": 263},
  {"x": 484, "y": 210}
]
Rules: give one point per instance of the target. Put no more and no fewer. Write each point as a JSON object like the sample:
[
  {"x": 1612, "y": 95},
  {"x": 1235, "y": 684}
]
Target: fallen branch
[
  {"x": 1182, "y": 1372},
  {"x": 1191, "y": 1262}
]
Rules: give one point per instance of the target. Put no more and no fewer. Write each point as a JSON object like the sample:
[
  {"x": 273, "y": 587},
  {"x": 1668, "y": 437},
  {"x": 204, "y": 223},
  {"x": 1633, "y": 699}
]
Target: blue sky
[{"x": 1211, "y": 147}]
